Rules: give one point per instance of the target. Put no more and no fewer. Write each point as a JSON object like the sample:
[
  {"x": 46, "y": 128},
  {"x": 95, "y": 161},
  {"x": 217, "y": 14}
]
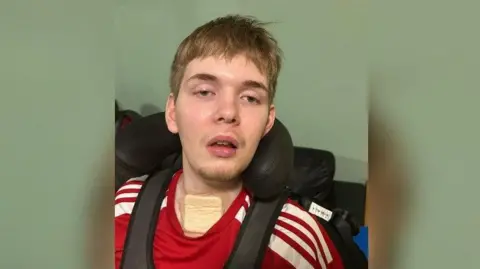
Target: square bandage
[{"x": 200, "y": 213}]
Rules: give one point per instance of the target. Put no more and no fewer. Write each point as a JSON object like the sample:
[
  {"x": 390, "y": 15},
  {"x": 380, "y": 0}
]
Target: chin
[{"x": 220, "y": 172}]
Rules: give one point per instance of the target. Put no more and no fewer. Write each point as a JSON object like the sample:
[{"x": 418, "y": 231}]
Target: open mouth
[
  {"x": 223, "y": 146},
  {"x": 224, "y": 143}
]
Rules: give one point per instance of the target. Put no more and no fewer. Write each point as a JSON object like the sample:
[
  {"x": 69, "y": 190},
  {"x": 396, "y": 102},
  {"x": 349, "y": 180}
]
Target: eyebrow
[
  {"x": 212, "y": 78},
  {"x": 254, "y": 84},
  {"x": 204, "y": 77}
]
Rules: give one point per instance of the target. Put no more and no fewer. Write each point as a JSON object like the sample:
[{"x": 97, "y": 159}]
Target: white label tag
[{"x": 320, "y": 211}]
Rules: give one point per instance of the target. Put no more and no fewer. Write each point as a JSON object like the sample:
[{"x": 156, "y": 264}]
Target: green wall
[
  {"x": 424, "y": 66},
  {"x": 56, "y": 135},
  {"x": 322, "y": 94}
]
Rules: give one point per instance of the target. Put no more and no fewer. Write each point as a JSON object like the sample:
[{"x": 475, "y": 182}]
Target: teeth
[{"x": 224, "y": 143}]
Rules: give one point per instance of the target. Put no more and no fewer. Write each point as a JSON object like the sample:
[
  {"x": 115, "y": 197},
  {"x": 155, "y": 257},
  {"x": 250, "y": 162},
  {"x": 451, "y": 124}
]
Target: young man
[{"x": 223, "y": 81}]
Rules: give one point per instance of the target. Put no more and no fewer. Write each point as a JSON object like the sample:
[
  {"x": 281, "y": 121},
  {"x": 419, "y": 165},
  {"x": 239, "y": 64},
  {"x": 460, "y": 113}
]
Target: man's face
[{"x": 221, "y": 113}]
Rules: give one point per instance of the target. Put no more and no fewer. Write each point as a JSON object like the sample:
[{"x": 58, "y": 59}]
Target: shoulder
[
  {"x": 126, "y": 195},
  {"x": 300, "y": 239}
]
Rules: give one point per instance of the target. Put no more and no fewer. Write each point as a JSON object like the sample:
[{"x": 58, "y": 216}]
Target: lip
[{"x": 226, "y": 138}]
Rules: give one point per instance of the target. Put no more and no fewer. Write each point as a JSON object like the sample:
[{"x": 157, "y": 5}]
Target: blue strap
[{"x": 361, "y": 239}]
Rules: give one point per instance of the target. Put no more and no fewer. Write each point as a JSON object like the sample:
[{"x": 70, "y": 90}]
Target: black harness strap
[
  {"x": 254, "y": 236},
  {"x": 355, "y": 259},
  {"x": 250, "y": 245},
  {"x": 137, "y": 253}
]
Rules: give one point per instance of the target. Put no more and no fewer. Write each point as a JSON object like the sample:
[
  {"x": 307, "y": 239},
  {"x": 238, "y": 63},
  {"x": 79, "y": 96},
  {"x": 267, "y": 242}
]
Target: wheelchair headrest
[
  {"x": 143, "y": 145},
  {"x": 314, "y": 172}
]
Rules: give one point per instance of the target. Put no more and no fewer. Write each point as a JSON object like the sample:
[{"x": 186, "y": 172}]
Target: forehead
[{"x": 235, "y": 70}]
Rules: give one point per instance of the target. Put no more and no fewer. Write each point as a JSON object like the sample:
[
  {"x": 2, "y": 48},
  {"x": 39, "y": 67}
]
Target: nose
[{"x": 227, "y": 110}]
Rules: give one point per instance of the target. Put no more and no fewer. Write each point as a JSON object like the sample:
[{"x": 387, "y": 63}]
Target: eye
[
  {"x": 251, "y": 99},
  {"x": 204, "y": 93}
]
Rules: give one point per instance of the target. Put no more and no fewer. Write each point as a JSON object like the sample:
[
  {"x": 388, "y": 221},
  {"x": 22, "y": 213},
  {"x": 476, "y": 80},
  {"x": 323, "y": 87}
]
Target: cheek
[
  {"x": 192, "y": 123},
  {"x": 255, "y": 129},
  {"x": 263, "y": 121},
  {"x": 194, "y": 109}
]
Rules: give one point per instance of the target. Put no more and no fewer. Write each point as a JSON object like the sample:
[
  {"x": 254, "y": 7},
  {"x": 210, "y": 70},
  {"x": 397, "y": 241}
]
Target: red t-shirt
[{"x": 298, "y": 240}]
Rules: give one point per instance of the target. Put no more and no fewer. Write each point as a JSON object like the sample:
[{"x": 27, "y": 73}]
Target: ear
[
  {"x": 170, "y": 116},
  {"x": 270, "y": 120}
]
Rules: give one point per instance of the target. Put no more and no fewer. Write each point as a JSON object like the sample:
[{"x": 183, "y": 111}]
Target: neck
[{"x": 191, "y": 183}]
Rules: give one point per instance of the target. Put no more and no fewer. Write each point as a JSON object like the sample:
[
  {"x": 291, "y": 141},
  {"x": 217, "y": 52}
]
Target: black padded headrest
[
  {"x": 314, "y": 172},
  {"x": 272, "y": 165},
  {"x": 117, "y": 110},
  {"x": 143, "y": 145},
  {"x": 146, "y": 143}
]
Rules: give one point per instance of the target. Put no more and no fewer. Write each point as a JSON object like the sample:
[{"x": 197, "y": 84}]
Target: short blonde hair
[{"x": 228, "y": 37}]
